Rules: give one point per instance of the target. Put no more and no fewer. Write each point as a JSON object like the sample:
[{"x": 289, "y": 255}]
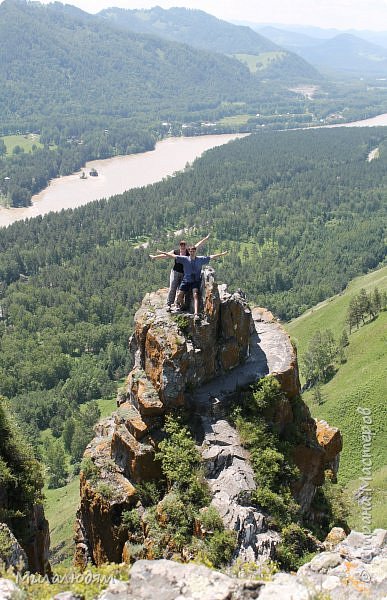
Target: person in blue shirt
[
  {"x": 177, "y": 271},
  {"x": 192, "y": 277}
]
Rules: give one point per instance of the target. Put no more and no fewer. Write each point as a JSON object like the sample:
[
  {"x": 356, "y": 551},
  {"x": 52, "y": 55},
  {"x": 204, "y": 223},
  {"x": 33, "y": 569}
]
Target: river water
[
  {"x": 116, "y": 175},
  {"x": 121, "y": 173}
]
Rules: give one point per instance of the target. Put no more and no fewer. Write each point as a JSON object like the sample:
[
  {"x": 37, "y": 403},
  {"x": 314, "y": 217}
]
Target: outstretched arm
[
  {"x": 219, "y": 254},
  {"x": 161, "y": 254},
  {"x": 164, "y": 254},
  {"x": 198, "y": 244}
]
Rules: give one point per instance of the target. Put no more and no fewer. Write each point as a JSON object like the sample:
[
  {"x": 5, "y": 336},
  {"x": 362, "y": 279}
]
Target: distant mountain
[
  {"x": 354, "y": 51},
  {"x": 201, "y": 30},
  {"x": 374, "y": 37},
  {"x": 58, "y": 60},
  {"x": 290, "y": 40},
  {"x": 348, "y": 53}
]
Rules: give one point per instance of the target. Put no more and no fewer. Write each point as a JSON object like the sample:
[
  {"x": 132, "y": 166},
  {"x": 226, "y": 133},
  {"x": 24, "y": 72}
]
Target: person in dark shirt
[
  {"x": 177, "y": 271},
  {"x": 192, "y": 277}
]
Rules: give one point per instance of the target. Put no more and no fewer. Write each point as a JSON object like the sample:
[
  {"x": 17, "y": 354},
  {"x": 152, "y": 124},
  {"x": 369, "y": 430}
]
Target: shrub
[
  {"x": 89, "y": 469},
  {"x": 295, "y": 548},
  {"x": 210, "y": 519},
  {"x": 131, "y": 519},
  {"x": 263, "y": 571},
  {"x": 105, "y": 490},
  {"x": 178, "y": 455},
  {"x": 281, "y": 505},
  {"x": 150, "y": 492},
  {"x": 221, "y": 547},
  {"x": 266, "y": 392}
]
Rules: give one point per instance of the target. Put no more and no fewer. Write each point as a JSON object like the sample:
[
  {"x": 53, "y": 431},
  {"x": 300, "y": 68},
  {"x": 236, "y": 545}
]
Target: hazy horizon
[{"x": 326, "y": 14}]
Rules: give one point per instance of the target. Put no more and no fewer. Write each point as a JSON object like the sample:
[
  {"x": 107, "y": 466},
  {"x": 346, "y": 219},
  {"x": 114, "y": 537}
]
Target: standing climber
[
  {"x": 177, "y": 271},
  {"x": 192, "y": 277}
]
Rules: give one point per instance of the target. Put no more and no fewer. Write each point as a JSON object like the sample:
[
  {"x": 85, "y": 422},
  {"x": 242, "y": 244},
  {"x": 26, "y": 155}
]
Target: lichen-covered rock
[
  {"x": 336, "y": 535},
  {"x": 172, "y": 355},
  {"x": 200, "y": 365},
  {"x": 355, "y": 569},
  {"x": 105, "y": 494},
  {"x": 327, "y": 575}
]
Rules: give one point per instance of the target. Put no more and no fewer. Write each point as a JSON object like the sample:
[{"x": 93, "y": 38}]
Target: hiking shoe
[
  {"x": 196, "y": 318},
  {"x": 168, "y": 308}
]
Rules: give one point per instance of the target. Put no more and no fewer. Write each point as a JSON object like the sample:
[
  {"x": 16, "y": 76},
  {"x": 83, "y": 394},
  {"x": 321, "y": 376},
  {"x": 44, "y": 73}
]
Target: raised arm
[
  {"x": 198, "y": 244},
  {"x": 219, "y": 254}
]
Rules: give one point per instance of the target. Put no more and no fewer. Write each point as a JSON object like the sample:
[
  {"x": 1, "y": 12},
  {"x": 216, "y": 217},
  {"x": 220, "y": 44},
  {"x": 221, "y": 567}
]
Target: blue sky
[{"x": 340, "y": 14}]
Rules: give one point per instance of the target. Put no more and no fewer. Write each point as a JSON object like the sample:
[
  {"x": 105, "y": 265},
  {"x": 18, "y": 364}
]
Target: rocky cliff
[
  {"x": 200, "y": 366},
  {"x": 24, "y": 532}
]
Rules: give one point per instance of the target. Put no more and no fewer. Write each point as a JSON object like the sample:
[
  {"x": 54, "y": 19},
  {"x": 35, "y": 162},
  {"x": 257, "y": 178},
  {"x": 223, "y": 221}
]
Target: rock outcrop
[
  {"x": 178, "y": 362},
  {"x": 31, "y": 534},
  {"x": 11, "y": 553},
  {"x": 36, "y": 541}
]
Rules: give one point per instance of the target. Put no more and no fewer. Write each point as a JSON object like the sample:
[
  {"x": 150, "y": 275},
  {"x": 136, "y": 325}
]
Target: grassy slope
[
  {"x": 61, "y": 505},
  {"x": 360, "y": 382}
]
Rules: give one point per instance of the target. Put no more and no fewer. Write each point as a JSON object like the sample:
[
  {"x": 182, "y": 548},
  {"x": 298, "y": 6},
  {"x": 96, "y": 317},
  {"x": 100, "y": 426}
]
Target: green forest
[
  {"x": 301, "y": 213},
  {"x": 93, "y": 90}
]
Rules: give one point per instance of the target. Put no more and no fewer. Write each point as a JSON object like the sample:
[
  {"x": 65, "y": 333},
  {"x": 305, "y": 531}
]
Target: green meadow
[
  {"x": 26, "y": 142},
  {"x": 258, "y": 62},
  {"x": 235, "y": 120},
  {"x": 358, "y": 388}
]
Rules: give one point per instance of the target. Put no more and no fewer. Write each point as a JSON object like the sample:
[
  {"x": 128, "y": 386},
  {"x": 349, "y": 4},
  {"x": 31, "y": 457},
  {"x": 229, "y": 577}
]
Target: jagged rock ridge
[{"x": 178, "y": 362}]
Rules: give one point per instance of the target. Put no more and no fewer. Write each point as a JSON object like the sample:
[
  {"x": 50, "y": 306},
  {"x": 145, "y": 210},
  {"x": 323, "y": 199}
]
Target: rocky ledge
[
  {"x": 178, "y": 362},
  {"x": 355, "y": 568}
]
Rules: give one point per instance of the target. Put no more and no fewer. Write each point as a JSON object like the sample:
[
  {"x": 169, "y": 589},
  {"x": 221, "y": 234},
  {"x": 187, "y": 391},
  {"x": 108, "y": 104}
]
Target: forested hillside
[
  {"x": 301, "y": 213},
  {"x": 78, "y": 65},
  {"x": 201, "y": 30}
]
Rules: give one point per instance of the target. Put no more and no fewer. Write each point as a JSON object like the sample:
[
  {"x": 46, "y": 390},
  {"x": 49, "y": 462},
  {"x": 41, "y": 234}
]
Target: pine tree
[
  {"x": 376, "y": 301},
  {"x": 364, "y": 304},
  {"x": 55, "y": 460}
]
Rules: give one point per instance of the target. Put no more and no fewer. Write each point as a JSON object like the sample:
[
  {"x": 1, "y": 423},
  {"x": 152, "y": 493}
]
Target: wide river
[
  {"x": 121, "y": 173},
  {"x": 116, "y": 175}
]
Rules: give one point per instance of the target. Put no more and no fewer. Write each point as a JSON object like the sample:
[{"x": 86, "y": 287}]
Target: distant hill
[
  {"x": 347, "y": 52},
  {"x": 201, "y": 30},
  {"x": 357, "y": 52},
  {"x": 292, "y": 40},
  {"x": 58, "y": 60}
]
